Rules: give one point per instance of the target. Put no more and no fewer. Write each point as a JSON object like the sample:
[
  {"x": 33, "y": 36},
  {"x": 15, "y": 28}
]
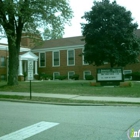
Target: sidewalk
[{"x": 77, "y": 97}]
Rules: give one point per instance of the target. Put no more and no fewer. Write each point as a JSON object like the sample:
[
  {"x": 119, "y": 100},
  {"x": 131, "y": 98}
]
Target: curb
[{"x": 101, "y": 103}]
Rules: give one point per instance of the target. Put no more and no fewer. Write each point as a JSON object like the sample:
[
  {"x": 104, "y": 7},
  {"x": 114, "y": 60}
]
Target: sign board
[
  {"x": 127, "y": 71},
  {"x": 30, "y": 65},
  {"x": 30, "y": 75},
  {"x": 30, "y": 70},
  {"x": 127, "y": 77},
  {"x": 109, "y": 74}
]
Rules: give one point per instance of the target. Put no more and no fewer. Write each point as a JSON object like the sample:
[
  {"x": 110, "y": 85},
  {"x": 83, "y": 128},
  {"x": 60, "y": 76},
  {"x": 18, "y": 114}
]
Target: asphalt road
[{"x": 74, "y": 122}]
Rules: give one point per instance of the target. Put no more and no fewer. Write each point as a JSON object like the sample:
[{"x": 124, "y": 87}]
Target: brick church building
[{"x": 54, "y": 57}]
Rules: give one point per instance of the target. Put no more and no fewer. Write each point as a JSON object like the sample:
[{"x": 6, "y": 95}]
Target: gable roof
[
  {"x": 137, "y": 32},
  {"x": 28, "y": 56},
  {"x": 62, "y": 42},
  {"x": 67, "y": 42}
]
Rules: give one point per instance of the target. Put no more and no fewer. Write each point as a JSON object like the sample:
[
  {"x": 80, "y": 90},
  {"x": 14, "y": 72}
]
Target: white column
[
  {"x": 36, "y": 73},
  {"x": 20, "y": 68}
]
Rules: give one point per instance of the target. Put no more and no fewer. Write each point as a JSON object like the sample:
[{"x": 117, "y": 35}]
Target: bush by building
[
  {"x": 61, "y": 77},
  {"x": 75, "y": 77},
  {"x": 89, "y": 77},
  {"x": 135, "y": 76}
]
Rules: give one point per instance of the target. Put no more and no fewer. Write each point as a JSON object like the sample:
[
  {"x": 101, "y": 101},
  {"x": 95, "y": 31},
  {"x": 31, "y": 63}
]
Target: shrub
[
  {"x": 45, "y": 76},
  {"x": 94, "y": 84},
  {"x": 126, "y": 84},
  {"x": 75, "y": 77},
  {"x": 41, "y": 76},
  {"x": 89, "y": 77},
  {"x": 48, "y": 77},
  {"x": 60, "y": 77},
  {"x": 135, "y": 75},
  {"x": 25, "y": 75}
]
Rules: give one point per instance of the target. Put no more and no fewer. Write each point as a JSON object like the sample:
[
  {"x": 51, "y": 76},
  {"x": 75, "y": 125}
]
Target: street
[{"x": 72, "y": 122}]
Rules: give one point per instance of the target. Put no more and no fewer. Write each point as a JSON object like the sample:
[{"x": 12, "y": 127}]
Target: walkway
[{"x": 77, "y": 97}]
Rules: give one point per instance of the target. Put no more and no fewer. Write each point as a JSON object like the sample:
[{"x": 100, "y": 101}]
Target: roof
[
  {"x": 67, "y": 42},
  {"x": 71, "y": 41},
  {"x": 28, "y": 56},
  {"x": 137, "y": 32},
  {"x": 5, "y": 47}
]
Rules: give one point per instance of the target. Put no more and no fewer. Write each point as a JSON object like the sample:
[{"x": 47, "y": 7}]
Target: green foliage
[
  {"x": 25, "y": 75},
  {"x": 75, "y": 77},
  {"x": 44, "y": 76},
  {"x": 32, "y": 17},
  {"x": 89, "y": 77},
  {"x": 126, "y": 84},
  {"x": 135, "y": 76},
  {"x": 61, "y": 77},
  {"x": 29, "y": 16},
  {"x": 109, "y": 35},
  {"x": 127, "y": 75}
]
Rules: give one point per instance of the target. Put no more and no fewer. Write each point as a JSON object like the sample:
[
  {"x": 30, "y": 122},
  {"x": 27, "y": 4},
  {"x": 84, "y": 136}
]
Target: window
[
  {"x": 42, "y": 59},
  {"x": 70, "y": 57},
  {"x": 2, "y": 61},
  {"x": 56, "y": 58},
  {"x": 2, "y": 77},
  {"x": 70, "y": 74},
  {"x": 105, "y": 62},
  {"x": 86, "y": 73},
  {"x": 55, "y": 74},
  {"x": 84, "y": 63}
]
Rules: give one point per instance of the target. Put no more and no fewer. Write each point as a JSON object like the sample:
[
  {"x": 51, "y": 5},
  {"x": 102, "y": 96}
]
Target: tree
[
  {"x": 29, "y": 16},
  {"x": 109, "y": 35}
]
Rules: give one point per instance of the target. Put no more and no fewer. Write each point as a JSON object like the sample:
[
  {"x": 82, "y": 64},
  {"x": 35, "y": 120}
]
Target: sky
[{"x": 79, "y": 7}]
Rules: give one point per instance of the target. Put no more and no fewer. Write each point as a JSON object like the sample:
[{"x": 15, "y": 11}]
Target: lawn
[{"x": 74, "y": 87}]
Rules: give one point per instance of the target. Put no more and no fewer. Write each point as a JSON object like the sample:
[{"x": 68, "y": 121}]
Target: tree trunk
[
  {"x": 111, "y": 65},
  {"x": 13, "y": 62},
  {"x": 111, "y": 62}
]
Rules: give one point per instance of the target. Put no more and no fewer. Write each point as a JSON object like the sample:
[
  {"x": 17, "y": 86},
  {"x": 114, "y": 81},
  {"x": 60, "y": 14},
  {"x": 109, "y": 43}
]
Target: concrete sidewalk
[{"x": 77, "y": 97}]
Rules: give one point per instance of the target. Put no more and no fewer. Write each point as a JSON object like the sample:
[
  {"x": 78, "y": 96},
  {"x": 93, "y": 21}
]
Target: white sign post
[
  {"x": 30, "y": 70},
  {"x": 30, "y": 74}
]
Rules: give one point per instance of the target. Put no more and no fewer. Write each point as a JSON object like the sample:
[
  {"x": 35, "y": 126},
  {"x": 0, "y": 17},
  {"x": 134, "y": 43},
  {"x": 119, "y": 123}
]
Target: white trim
[
  {"x": 27, "y": 56},
  {"x": 59, "y": 48},
  {"x": 39, "y": 60},
  {"x": 36, "y": 69},
  {"x": 1, "y": 61},
  {"x": 67, "y": 57},
  {"x": 20, "y": 68},
  {"x": 24, "y": 49},
  {"x": 5, "y": 47},
  {"x": 84, "y": 73},
  {"x": 105, "y": 62},
  {"x": 53, "y": 58}
]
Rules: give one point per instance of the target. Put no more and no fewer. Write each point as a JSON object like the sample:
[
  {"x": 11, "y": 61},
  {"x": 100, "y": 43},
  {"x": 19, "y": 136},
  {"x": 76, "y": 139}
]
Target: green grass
[
  {"x": 73, "y": 87},
  {"x": 60, "y": 101}
]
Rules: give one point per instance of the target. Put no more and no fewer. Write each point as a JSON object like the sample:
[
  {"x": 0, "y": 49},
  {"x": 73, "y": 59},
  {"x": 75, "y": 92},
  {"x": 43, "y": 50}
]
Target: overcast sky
[{"x": 81, "y": 6}]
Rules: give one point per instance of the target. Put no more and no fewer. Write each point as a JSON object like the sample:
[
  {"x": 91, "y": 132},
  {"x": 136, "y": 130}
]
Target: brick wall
[
  {"x": 78, "y": 68},
  {"x": 29, "y": 41},
  {"x": 3, "y": 69},
  {"x": 26, "y": 42}
]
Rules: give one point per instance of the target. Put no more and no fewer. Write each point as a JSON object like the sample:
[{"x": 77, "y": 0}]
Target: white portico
[{"x": 23, "y": 61}]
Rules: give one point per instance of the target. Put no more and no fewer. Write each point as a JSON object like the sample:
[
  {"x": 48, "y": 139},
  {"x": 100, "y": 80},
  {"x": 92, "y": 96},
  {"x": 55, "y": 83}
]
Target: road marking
[{"x": 29, "y": 131}]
